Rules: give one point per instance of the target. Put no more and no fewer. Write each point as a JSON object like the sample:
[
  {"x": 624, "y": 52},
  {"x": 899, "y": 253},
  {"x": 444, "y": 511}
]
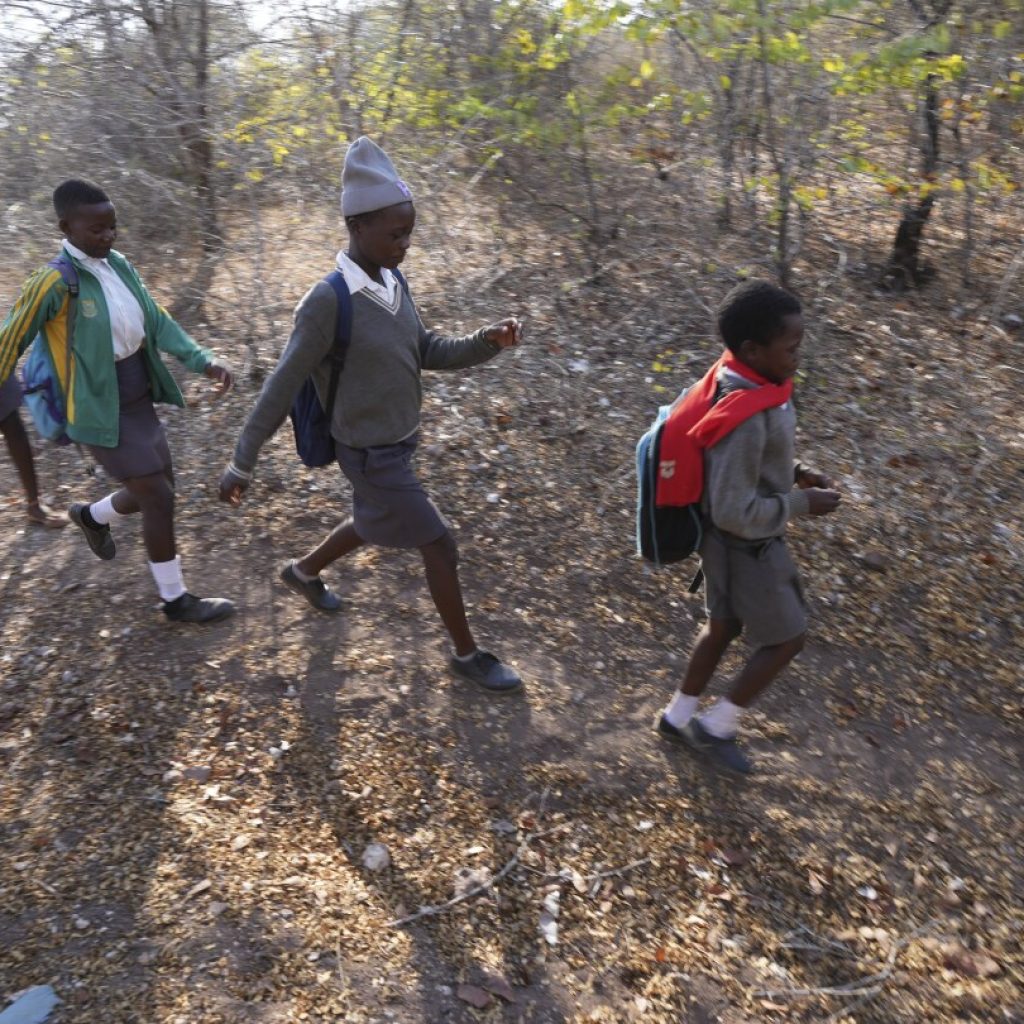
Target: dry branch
[{"x": 490, "y": 883}]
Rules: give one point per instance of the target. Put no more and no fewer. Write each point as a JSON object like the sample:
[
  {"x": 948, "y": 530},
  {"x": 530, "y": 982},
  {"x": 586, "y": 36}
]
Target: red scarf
[{"x": 695, "y": 424}]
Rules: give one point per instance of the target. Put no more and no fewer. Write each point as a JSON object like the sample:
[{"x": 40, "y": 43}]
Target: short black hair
[
  {"x": 76, "y": 192},
  {"x": 754, "y": 311}
]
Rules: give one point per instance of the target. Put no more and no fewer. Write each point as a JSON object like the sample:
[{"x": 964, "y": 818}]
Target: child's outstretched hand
[
  {"x": 810, "y": 478},
  {"x": 821, "y": 501},
  {"x": 505, "y": 334},
  {"x": 223, "y": 376},
  {"x": 232, "y": 488}
]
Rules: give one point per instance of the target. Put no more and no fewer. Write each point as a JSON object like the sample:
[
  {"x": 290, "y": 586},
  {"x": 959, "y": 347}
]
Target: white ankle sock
[
  {"x": 168, "y": 578},
  {"x": 299, "y": 574},
  {"x": 680, "y": 709},
  {"x": 466, "y": 657},
  {"x": 723, "y": 720},
  {"x": 103, "y": 511}
]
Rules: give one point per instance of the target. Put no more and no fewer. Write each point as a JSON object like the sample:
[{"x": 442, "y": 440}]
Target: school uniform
[
  {"x": 116, "y": 373},
  {"x": 749, "y": 498},
  {"x": 141, "y": 442},
  {"x": 376, "y": 415}
]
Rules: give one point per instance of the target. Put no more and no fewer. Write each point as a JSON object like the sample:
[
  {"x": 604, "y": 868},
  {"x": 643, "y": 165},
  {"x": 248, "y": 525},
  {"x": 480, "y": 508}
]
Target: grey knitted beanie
[{"x": 369, "y": 180}]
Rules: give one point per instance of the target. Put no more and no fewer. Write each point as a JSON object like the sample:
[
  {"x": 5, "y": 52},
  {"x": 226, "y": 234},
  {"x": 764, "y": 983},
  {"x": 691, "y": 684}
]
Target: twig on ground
[
  {"x": 490, "y": 883},
  {"x": 814, "y": 943},
  {"x": 863, "y": 988},
  {"x": 592, "y": 278},
  {"x": 337, "y": 962},
  {"x": 845, "y": 1011},
  {"x": 617, "y": 871}
]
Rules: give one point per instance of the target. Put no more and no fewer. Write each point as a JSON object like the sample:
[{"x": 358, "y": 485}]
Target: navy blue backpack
[
  {"x": 663, "y": 534},
  {"x": 310, "y": 420}
]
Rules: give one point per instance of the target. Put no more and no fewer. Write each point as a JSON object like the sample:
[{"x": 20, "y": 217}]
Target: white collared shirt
[
  {"x": 127, "y": 321},
  {"x": 358, "y": 280}
]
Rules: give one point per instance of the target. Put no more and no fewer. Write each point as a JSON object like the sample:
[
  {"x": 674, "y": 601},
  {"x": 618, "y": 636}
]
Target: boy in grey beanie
[
  {"x": 369, "y": 180},
  {"x": 376, "y": 413}
]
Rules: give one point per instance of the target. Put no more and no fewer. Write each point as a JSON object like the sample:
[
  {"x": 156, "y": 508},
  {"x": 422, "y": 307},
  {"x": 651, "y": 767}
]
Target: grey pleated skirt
[
  {"x": 142, "y": 444},
  {"x": 389, "y": 505},
  {"x": 10, "y": 396}
]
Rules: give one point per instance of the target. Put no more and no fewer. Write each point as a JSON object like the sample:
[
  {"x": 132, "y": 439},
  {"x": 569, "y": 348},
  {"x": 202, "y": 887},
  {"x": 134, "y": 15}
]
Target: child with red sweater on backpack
[{"x": 752, "y": 489}]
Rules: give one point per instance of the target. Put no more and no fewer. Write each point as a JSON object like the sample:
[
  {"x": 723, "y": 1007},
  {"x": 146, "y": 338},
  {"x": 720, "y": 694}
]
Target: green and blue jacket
[{"x": 90, "y": 390}]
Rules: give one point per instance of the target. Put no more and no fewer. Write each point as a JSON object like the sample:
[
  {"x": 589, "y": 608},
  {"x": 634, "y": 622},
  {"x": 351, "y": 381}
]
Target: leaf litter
[{"x": 873, "y": 869}]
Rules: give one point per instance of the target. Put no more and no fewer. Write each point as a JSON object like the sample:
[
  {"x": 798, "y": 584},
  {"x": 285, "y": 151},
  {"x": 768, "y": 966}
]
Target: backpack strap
[
  {"x": 342, "y": 336},
  {"x": 402, "y": 281},
  {"x": 69, "y": 275}
]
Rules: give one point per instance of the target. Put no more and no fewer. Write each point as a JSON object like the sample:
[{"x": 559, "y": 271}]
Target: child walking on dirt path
[
  {"x": 751, "y": 582},
  {"x": 109, "y": 382},
  {"x": 20, "y": 448},
  {"x": 376, "y": 415}
]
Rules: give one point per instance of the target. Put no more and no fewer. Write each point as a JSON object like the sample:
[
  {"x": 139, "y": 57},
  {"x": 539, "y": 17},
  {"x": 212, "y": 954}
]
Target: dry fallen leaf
[
  {"x": 474, "y": 996},
  {"x": 735, "y": 858},
  {"x": 970, "y": 963},
  {"x": 197, "y": 889},
  {"x": 500, "y": 987}
]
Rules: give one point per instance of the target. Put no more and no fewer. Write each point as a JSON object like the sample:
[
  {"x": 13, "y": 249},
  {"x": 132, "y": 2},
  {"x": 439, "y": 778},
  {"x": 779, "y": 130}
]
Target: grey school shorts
[{"x": 754, "y": 584}]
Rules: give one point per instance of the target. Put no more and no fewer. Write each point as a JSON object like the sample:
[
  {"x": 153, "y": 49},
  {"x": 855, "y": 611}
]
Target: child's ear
[{"x": 747, "y": 351}]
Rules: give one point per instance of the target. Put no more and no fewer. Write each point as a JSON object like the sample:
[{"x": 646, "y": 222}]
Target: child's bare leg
[
  {"x": 441, "y": 561},
  {"x": 341, "y": 541},
  {"x": 722, "y": 720},
  {"x": 21, "y": 455},
  {"x": 764, "y": 665},
  {"x": 154, "y": 497},
  {"x": 20, "y": 448},
  {"x": 124, "y": 502},
  {"x": 712, "y": 641}
]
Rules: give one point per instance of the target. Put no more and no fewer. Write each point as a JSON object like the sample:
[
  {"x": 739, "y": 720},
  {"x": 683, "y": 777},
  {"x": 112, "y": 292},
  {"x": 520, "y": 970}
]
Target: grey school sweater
[
  {"x": 379, "y": 391},
  {"x": 749, "y": 474}
]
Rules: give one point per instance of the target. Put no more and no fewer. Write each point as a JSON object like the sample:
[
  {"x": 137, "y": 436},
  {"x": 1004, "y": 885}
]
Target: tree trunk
[
  {"x": 189, "y": 102},
  {"x": 904, "y": 269},
  {"x": 780, "y": 160},
  {"x": 197, "y": 135}
]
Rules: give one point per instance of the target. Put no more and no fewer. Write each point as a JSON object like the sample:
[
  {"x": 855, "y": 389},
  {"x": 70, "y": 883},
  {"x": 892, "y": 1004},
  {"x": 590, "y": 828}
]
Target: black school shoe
[
  {"x": 725, "y": 752},
  {"x": 667, "y": 731},
  {"x": 315, "y": 591},
  {"x": 484, "y": 669},
  {"x": 100, "y": 541},
  {"x": 189, "y": 608}
]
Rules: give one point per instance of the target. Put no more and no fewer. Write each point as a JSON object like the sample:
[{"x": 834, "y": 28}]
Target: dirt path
[
  {"x": 167, "y": 858},
  {"x": 183, "y": 814}
]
